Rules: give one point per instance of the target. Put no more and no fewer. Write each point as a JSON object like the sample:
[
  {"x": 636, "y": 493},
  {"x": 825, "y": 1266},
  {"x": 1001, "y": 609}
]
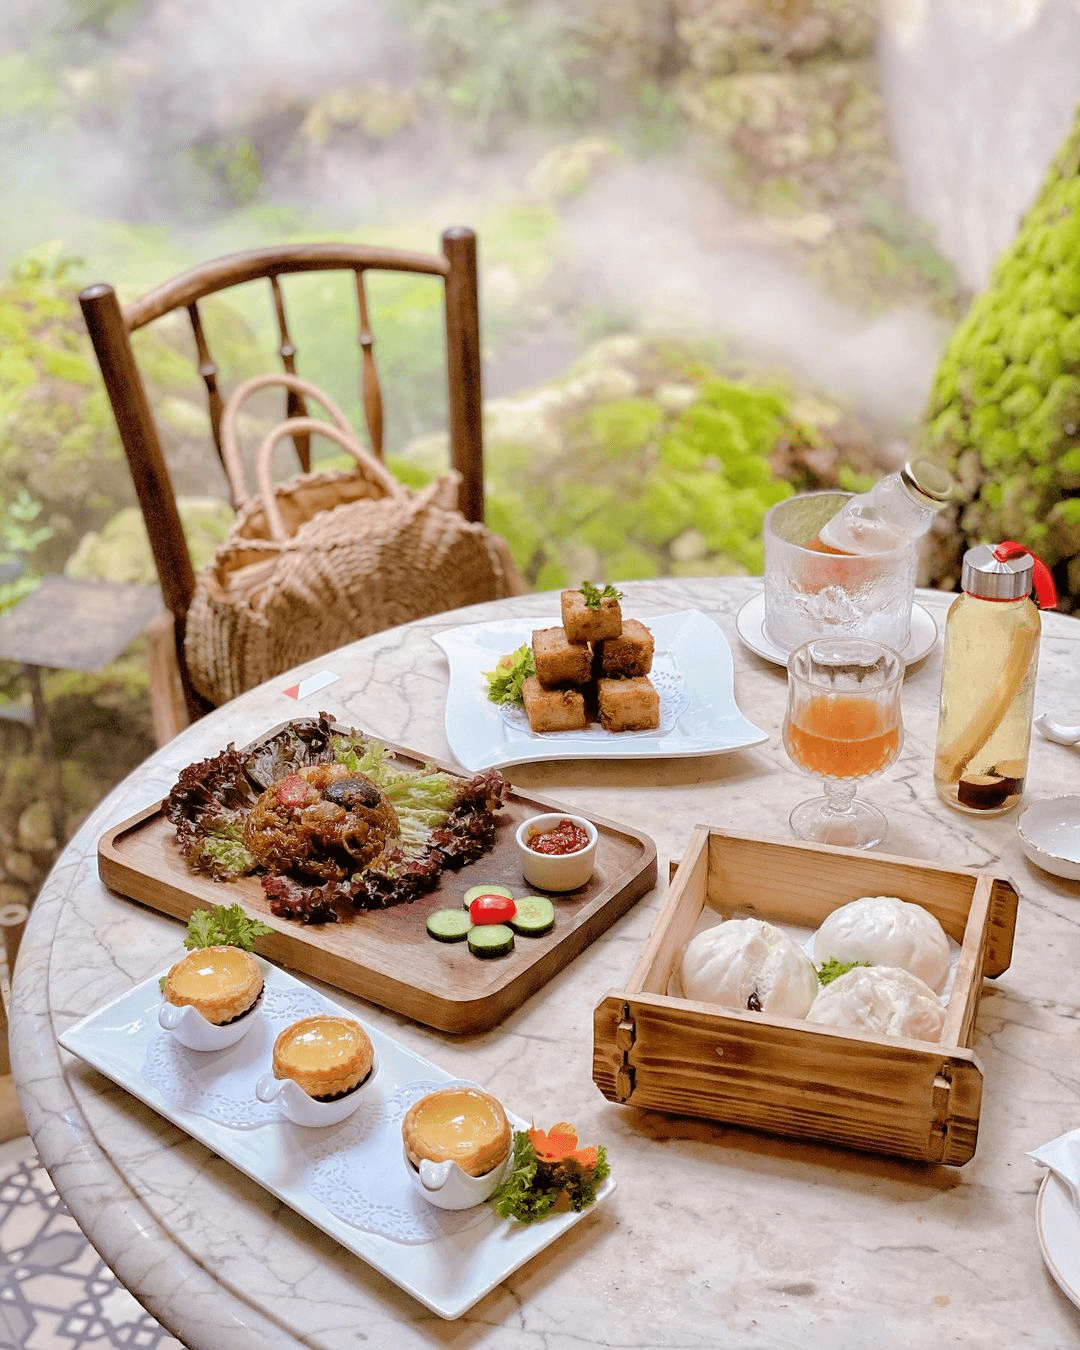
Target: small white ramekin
[
  {"x": 301, "y": 1109},
  {"x": 556, "y": 871}
]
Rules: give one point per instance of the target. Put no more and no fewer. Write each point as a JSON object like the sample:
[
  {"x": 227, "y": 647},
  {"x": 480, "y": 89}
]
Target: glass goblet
[{"x": 842, "y": 724}]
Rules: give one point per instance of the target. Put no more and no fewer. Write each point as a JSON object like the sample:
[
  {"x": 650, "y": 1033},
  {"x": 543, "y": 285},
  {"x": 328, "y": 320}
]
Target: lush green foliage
[
  {"x": 1004, "y": 413},
  {"x": 494, "y": 59},
  {"x": 60, "y": 462},
  {"x": 635, "y": 490}
]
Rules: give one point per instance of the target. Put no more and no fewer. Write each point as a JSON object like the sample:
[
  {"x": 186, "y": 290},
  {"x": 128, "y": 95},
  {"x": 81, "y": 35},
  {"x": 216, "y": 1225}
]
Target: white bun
[
  {"x": 886, "y": 931},
  {"x": 743, "y": 962},
  {"x": 881, "y": 999}
]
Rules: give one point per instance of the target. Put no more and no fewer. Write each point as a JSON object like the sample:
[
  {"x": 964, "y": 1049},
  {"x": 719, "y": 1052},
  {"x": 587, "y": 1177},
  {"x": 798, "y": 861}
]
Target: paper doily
[
  {"x": 356, "y": 1169},
  {"x": 220, "y": 1084},
  {"x": 359, "y": 1171}
]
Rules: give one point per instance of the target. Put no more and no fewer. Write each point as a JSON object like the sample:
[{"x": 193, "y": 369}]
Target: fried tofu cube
[
  {"x": 583, "y": 624},
  {"x": 558, "y": 660},
  {"x": 553, "y": 709},
  {"x": 628, "y": 705},
  {"x": 628, "y": 655}
]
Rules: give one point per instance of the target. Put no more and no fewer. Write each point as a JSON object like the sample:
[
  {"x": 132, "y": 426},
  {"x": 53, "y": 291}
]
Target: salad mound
[{"x": 363, "y": 832}]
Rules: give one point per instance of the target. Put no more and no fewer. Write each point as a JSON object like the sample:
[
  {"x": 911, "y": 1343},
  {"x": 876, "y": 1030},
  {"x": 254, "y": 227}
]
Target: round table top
[{"x": 775, "y": 1241}]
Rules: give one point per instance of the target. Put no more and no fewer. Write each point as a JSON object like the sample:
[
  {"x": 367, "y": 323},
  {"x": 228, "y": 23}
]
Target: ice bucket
[{"x": 808, "y": 593}]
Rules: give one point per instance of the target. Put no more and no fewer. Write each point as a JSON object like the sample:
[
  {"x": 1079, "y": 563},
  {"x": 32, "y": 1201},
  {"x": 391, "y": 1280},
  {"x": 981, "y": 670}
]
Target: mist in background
[{"x": 122, "y": 160}]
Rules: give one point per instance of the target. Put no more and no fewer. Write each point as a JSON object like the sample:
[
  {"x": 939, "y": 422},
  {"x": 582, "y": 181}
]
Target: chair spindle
[
  {"x": 294, "y": 401},
  {"x": 369, "y": 375},
  {"x": 208, "y": 370}
]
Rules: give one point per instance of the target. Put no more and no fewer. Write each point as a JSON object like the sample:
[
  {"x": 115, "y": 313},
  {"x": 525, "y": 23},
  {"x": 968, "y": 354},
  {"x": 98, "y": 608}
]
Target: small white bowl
[
  {"x": 556, "y": 871},
  {"x": 449, "y": 1186},
  {"x": 192, "y": 1029},
  {"x": 301, "y": 1109},
  {"x": 1049, "y": 833}
]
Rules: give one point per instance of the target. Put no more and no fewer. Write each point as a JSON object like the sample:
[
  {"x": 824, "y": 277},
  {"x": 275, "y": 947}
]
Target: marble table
[{"x": 715, "y": 1235}]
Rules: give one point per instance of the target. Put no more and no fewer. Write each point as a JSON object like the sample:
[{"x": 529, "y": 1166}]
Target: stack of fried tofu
[{"x": 596, "y": 665}]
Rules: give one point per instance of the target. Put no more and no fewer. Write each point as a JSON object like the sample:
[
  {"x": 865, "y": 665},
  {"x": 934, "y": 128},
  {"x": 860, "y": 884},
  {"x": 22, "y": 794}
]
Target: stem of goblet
[{"x": 839, "y": 794}]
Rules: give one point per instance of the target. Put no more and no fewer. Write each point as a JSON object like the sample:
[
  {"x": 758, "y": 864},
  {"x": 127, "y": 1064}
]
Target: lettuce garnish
[
  {"x": 832, "y": 969},
  {"x": 505, "y": 681}
]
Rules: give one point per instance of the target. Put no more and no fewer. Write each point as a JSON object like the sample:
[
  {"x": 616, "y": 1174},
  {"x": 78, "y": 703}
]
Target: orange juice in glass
[{"x": 842, "y": 723}]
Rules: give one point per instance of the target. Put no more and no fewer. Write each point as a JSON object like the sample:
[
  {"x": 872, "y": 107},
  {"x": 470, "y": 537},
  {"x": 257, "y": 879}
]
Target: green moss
[
  {"x": 1016, "y": 433},
  {"x": 612, "y": 431}
]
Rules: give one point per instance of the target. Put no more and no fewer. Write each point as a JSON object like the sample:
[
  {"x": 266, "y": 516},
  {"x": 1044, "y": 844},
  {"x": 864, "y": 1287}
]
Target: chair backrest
[{"x": 110, "y": 327}]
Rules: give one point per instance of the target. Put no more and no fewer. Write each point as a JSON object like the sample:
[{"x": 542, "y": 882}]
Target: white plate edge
[{"x": 1050, "y": 1180}]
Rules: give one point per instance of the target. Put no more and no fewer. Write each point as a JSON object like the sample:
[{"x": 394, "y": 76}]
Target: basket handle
[
  {"x": 371, "y": 468},
  {"x": 230, "y": 440}
]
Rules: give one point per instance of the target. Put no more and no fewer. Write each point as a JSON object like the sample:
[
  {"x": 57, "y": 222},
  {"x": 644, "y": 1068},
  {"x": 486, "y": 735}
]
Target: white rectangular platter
[
  {"x": 692, "y": 670},
  {"x": 346, "y": 1179}
]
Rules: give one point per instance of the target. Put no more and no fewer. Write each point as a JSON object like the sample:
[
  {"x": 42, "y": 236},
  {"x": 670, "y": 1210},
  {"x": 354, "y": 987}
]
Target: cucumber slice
[
  {"x": 491, "y": 939},
  {"x": 535, "y": 916},
  {"x": 449, "y": 925},
  {"x": 493, "y": 889}
]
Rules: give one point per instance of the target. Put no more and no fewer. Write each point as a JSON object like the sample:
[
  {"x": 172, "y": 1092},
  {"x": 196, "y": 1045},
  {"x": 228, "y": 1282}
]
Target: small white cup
[
  {"x": 301, "y": 1109},
  {"x": 556, "y": 871},
  {"x": 449, "y": 1186},
  {"x": 192, "y": 1029}
]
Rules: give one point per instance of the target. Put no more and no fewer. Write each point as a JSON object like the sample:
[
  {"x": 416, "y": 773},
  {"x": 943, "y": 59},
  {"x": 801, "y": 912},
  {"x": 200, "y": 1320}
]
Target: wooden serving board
[{"x": 386, "y": 956}]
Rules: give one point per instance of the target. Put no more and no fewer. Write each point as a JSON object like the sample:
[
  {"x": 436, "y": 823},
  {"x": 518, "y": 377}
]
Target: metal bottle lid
[
  {"x": 990, "y": 578},
  {"x": 928, "y": 482}
]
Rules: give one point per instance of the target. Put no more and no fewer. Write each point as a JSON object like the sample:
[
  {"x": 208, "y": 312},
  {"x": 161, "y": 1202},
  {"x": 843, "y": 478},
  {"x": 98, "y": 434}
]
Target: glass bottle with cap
[
  {"x": 898, "y": 509},
  {"x": 988, "y": 674}
]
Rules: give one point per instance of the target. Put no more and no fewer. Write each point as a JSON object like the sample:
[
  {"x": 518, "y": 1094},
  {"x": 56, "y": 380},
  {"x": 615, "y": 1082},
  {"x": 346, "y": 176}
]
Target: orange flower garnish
[{"x": 560, "y": 1143}]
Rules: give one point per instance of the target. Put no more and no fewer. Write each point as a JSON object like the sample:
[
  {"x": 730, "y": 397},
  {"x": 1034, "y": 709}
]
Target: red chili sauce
[{"x": 566, "y": 837}]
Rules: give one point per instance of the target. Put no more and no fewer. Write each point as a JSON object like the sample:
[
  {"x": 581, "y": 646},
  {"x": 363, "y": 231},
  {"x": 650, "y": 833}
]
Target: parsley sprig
[
  {"x": 594, "y": 596},
  {"x": 223, "y": 926}
]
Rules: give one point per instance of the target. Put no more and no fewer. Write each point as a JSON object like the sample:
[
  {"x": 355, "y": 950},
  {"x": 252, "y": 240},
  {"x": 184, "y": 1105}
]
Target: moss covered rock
[
  {"x": 1004, "y": 412},
  {"x": 645, "y": 459}
]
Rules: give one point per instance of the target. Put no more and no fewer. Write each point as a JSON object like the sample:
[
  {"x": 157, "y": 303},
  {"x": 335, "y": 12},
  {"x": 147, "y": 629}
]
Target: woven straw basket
[{"x": 325, "y": 558}]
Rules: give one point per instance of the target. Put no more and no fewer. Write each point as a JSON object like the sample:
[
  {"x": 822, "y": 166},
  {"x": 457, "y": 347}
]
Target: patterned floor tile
[{"x": 55, "y": 1291}]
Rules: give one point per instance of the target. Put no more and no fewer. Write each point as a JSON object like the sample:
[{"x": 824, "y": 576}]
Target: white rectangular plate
[
  {"x": 447, "y": 1274},
  {"x": 691, "y": 668}
]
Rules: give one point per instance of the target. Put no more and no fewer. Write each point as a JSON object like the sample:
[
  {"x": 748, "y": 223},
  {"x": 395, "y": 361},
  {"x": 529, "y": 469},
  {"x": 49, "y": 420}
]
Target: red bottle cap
[{"x": 1045, "y": 590}]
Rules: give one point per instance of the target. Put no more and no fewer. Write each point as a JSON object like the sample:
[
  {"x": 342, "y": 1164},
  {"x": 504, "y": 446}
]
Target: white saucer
[
  {"x": 1049, "y": 833},
  {"x": 750, "y": 626},
  {"x": 1058, "y": 1226}
]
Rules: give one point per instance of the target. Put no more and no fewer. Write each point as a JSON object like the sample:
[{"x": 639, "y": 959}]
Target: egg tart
[
  {"x": 222, "y": 983},
  {"x": 325, "y": 1055},
  {"x": 457, "y": 1124}
]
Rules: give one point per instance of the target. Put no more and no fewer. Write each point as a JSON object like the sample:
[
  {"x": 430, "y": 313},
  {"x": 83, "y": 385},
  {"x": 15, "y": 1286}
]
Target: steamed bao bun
[
  {"x": 886, "y": 931},
  {"x": 747, "y": 963},
  {"x": 881, "y": 999}
]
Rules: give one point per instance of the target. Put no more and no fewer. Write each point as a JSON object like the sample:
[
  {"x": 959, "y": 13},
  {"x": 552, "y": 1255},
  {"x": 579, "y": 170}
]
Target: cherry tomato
[{"x": 492, "y": 909}]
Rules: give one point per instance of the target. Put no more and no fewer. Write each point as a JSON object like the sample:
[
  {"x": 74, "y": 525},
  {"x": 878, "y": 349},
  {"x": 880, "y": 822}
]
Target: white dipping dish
[
  {"x": 556, "y": 871},
  {"x": 1049, "y": 833},
  {"x": 304, "y": 1110},
  {"x": 192, "y": 1029},
  {"x": 449, "y": 1186}
]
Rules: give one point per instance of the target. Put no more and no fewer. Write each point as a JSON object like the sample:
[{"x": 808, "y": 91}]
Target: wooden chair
[{"x": 175, "y": 702}]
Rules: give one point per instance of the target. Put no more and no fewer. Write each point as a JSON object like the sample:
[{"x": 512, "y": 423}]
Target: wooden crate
[{"x": 912, "y": 1099}]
